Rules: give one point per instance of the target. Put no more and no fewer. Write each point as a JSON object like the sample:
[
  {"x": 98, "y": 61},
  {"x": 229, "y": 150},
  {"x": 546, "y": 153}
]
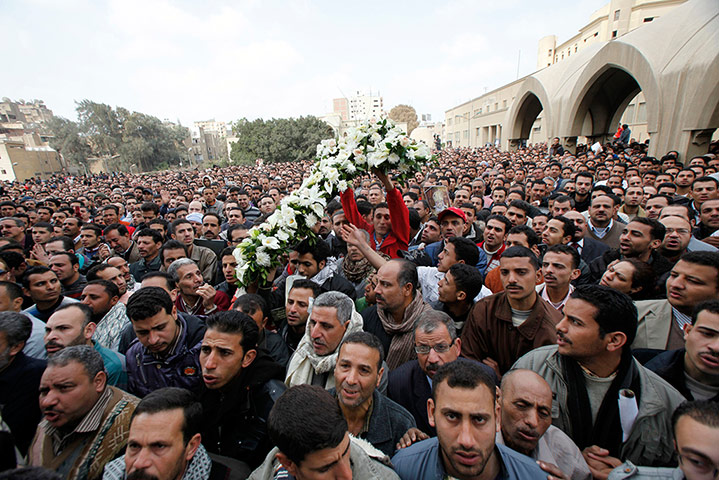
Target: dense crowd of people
[{"x": 525, "y": 314}]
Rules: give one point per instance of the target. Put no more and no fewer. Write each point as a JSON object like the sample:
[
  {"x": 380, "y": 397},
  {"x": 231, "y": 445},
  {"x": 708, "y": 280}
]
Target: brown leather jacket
[{"x": 489, "y": 331}]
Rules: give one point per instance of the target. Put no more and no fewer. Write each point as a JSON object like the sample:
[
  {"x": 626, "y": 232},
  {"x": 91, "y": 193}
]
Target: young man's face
[{"x": 696, "y": 444}]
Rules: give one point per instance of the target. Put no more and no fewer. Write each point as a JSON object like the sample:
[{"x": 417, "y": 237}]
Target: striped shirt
[{"x": 90, "y": 422}]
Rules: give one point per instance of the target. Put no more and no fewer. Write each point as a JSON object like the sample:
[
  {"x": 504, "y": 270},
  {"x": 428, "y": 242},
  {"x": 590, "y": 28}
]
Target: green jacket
[{"x": 650, "y": 441}]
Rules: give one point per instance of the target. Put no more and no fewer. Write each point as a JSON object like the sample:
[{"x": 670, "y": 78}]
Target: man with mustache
[
  {"x": 369, "y": 414},
  {"x": 465, "y": 412},
  {"x": 526, "y": 414},
  {"x": 589, "y": 367},
  {"x": 601, "y": 226},
  {"x": 503, "y": 327},
  {"x": 149, "y": 242},
  {"x": 85, "y": 422},
  {"x": 73, "y": 325},
  {"x": 560, "y": 267},
  {"x": 693, "y": 279},
  {"x": 694, "y": 369}
]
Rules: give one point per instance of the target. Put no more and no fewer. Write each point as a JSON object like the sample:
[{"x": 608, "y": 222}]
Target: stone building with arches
[{"x": 672, "y": 63}]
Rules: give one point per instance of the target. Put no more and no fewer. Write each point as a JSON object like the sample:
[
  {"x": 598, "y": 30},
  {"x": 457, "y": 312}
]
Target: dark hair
[
  {"x": 306, "y": 419},
  {"x": 566, "y": 249},
  {"x": 171, "y": 285},
  {"x": 173, "y": 398},
  {"x": 234, "y": 322},
  {"x": 522, "y": 205},
  {"x": 711, "y": 306},
  {"x": 414, "y": 218},
  {"x": 315, "y": 246},
  {"x": 70, "y": 256},
  {"x": 250, "y": 303},
  {"x": 501, "y": 218},
  {"x": 615, "y": 310},
  {"x": 91, "y": 226},
  {"x": 644, "y": 277},
  {"x": 532, "y": 237},
  {"x": 706, "y": 179},
  {"x": 657, "y": 229},
  {"x": 150, "y": 207},
  {"x": 411, "y": 195},
  {"x": 111, "y": 207},
  {"x": 364, "y": 207},
  {"x": 521, "y": 252},
  {"x": 45, "y": 225},
  {"x": 148, "y": 302},
  {"x": 121, "y": 229},
  {"x": 86, "y": 311},
  {"x": 705, "y": 412},
  {"x": 219, "y": 220},
  {"x": 465, "y": 249},
  {"x": 172, "y": 245},
  {"x": 40, "y": 270},
  {"x": 369, "y": 339},
  {"x": 67, "y": 242},
  {"x": 568, "y": 227},
  {"x": 564, "y": 199},
  {"x": 234, "y": 228},
  {"x": 227, "y": 251},
  {"x": 12, "y": 259},
  {"x": 307, "y": 284},
  {"x": 467, "y": 279},
  {"x": 707, "y": 259},
  {"x": 110, "y": 288},
  {"x": 12, "y": 289},
  {"x": 463, "y": 373},
  {"x": 16, "y": 327},
  {"x": 148, "y": 232},
  {"x": 92, "y": 274},
  {"x": 407, "y": 274}
]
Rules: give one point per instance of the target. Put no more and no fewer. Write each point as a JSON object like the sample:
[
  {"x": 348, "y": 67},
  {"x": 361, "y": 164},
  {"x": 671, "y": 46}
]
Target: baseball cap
[{"x": 452, "y": 211}]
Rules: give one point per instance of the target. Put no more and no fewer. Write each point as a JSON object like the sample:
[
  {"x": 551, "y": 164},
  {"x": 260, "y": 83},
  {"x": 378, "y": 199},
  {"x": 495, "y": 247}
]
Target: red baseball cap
[{"x": 452, "y": 211}]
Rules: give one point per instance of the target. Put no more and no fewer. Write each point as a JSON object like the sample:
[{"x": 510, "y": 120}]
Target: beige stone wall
[{"x": 21, "y": 163}]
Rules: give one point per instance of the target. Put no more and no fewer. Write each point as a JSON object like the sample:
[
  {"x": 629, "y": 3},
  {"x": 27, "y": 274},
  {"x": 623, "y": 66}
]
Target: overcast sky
[{"x": 195, "y": 60}]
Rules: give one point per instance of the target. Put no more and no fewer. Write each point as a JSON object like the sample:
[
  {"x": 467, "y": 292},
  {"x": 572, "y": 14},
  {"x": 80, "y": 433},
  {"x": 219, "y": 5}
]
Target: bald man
[{"x": 526, "y": 418}]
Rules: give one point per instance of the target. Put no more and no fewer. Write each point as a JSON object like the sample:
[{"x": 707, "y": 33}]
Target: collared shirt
[
  {"x": 368, "y": 416},
  {"x": 681, "y": 319},
  {"x": 579, "y": 245},
  {"x": 89, "y": 423},
  {"x": 542, "y": 291},
  {"x": 600, "y": 232}
]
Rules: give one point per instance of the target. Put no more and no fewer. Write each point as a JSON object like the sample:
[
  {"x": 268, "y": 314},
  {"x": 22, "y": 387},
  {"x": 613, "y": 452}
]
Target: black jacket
[
  {"x": 235, "y": 416},
  {"x": 408, "y": 386},
  {"x": 670, "y": 366},
  {"x": 660, "y": 264},
  {"x": 19, "y": 383},
  {"x": 592, "y": 249}
]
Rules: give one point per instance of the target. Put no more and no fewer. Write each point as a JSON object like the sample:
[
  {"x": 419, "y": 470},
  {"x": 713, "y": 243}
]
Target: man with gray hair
[
  {"x": 86, "y": 422},
  {"x": 196, "y": 296},
  {"x": 19, "y": 378},
  {"x": 332, "y": 318}
]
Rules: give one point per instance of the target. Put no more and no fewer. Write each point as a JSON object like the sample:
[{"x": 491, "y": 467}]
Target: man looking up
[
  {"x": 241, "y": 384},
  {"x": 369, "y": 414},
  {"x": 333, "y": 317},
  {"x": 85, "y": 421},
  {"x": 164, "y": 354},
  {"x": 458, "y": 289},
  {"x": 389, "y": 231},
  {"x": 486, "y": 336},
  {"x": 526, "y": 426},
  {"x": 465, "y": 412},
  {"x": 588, "y": 368},
  {"x": 205, "y": 258},
  {"x": 495, "y": 233},
  {"x": 693, "y": 279},
  {"x": 72, "y": 325},
  {"x": 694, "y": 370}
]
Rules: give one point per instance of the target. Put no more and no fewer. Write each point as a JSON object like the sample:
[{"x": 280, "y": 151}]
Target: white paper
[{"x": 628, "y": 411}]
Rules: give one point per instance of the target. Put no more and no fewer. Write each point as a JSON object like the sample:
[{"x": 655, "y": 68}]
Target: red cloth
[
  {"x": 397, "y": 238},
  {"x": 222, "y": 301}
]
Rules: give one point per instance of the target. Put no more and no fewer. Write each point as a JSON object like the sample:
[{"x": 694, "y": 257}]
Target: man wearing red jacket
[{"x": 389, "y": 230}]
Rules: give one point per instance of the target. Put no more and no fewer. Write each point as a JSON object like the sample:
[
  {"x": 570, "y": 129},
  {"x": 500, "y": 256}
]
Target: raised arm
[{"x": 353, "y": 236}]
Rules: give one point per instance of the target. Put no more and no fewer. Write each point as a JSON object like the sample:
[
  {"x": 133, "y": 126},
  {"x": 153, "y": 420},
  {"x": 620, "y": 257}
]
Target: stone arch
[
  {"x": 605, "y": 87},
  {"x": 530, "y": 101}
]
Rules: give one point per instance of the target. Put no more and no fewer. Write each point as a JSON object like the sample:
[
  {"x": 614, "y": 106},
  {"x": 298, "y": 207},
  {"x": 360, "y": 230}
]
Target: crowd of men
[{"x": 530, "y": 314}]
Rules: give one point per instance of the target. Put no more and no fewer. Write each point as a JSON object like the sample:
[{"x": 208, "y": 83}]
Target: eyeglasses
[
  {"x": 699, "y": 465},
  {"x": 439, "y": 348}
]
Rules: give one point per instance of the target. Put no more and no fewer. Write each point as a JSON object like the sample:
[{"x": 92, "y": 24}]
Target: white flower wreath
[{"x": 378, "y": 144}]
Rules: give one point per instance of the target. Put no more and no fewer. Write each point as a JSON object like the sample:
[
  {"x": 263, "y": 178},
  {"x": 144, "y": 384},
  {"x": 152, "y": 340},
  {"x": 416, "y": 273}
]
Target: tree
[
  {"x": 405, "y": 114},
  {"x": 68, "y": 140},
  {"x": 278, "y": 140}
]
